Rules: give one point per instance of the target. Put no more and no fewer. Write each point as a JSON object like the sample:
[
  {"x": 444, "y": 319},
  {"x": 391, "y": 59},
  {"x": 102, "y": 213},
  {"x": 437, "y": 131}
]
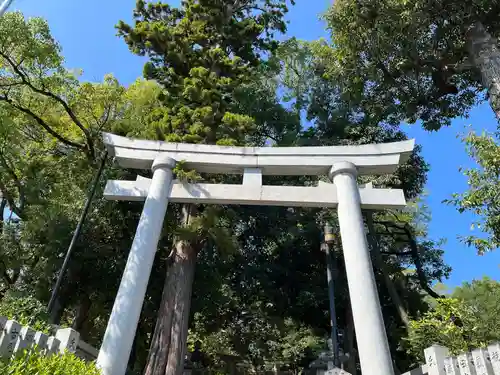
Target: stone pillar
[
  {"x": 68, "y": 339},
  {"x": 25, "y": 340},
  {"x": 8, "y": 338},
  {"x": 494, "y": 351},
  {"x": 122, "y": 324},
  {"x": 435, "y": 358},
  {"x": 373, "y": 348},
  {"x": 53, "y": 345}
]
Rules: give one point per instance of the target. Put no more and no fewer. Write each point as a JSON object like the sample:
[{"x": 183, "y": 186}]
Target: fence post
[
  {"x": 482, "y": 362},
  {"x": 40, "y": 340},
  {"x": 25, "y": 340},
  {"x": 53, "y": 345},
  {"x": 494, "y": 351},
  {"x": 434, "y": 358},
  {"x": 465, "y": 364},
  {"x": 8, "y": 338},
  {"x": 451, "y": 366},
  {"x": 69, "y": 339},
  {"x": 3, "y": 321}
]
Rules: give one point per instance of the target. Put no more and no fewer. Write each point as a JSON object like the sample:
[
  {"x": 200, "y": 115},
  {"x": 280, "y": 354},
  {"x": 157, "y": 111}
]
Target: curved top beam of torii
[{"x": 372, "y": 159}]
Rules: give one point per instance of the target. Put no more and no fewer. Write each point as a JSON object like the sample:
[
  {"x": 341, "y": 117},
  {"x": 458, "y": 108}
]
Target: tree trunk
[
  {"x": 485, "y": 56},
  {"x": 3, "y": 205},
  {"x": 379, "y": 262},
  {"x": 168, "y": 344},
  {"x": 57, "y": 311},
  {"x": 82, "y": 315},
  {"x": 61, "y": 302}
]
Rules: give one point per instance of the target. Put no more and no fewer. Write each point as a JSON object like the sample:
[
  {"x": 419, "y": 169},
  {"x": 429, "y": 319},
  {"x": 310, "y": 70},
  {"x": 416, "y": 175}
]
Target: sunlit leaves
[
  {"x": 461, "y": 323},
  {"x": 483, "y": 195}
]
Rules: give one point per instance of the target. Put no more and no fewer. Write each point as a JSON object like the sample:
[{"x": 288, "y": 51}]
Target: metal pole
[
  {"x": 5, "y": 6},
  {"x": 77, "y": 232},
  {"x": 330, "y": 273}
]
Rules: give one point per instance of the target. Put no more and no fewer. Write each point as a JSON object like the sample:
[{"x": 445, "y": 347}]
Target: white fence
[
  {"x": 15, "y": 338},
  {"x": 484, "y": 361}
]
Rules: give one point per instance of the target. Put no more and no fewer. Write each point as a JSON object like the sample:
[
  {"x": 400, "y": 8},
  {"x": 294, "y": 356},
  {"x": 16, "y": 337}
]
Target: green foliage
[
  {"x": 49, "y": 145},
  {"x": 404, "y": 61},
  {"x": 201, "y": 53},
  {"x": 34, "y": 363},
  {"x": 184, "y": 174},
  {"x": 26, "y": 310},
  {"x": 483, "y": 195},
  {"x": 464, "y": 322},
  {"x": 439, "y": 326}
]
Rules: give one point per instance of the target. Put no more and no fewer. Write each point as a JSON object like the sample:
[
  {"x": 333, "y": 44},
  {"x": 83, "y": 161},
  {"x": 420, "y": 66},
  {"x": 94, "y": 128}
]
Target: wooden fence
[
  {"x": 15, "y": 338},
  {"x": 484, "y": 361}
]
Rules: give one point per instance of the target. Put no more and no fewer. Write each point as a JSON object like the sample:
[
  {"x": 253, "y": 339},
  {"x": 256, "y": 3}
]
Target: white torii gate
[{"x": 341, "y": 163}]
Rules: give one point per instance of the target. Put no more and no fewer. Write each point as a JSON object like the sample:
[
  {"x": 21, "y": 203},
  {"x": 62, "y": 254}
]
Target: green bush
[
  {"x": 26, "y": 310},
  {"x": 35, "y": 363}
]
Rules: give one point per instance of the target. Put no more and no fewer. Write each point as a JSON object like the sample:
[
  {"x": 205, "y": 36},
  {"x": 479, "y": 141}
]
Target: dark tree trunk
[
  {"x": 82, "y": 316},
  {"x": 168, "y": 344},
  {"x": 3, "y": 205},
  {"x": 57, "y": 311},
  {"x": 485, "y": 56},
  {"x": 62, "y": 300}
]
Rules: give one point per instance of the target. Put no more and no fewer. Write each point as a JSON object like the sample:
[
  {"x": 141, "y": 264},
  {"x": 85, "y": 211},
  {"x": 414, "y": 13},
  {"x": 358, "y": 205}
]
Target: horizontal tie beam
[{"x": 323, "y": 195}]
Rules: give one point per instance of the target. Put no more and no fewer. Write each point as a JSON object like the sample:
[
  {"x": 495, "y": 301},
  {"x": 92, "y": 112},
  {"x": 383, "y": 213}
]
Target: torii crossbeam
[{"x": 342, "y": 164}]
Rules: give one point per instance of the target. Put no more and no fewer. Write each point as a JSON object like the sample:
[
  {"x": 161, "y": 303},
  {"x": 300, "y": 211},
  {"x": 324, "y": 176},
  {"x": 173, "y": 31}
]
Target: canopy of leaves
[
  {"x": 201, "y": 53},
  {"x": 28, "y": 311},
  {"x": 403, "y": 61}
]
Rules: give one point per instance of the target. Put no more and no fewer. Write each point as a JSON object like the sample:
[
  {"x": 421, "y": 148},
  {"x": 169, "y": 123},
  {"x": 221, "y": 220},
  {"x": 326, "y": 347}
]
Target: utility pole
[
  {"x": 328, "y": 248},
  {"x": 77, "y": 231},
  {"x": 5, "y": 6}
]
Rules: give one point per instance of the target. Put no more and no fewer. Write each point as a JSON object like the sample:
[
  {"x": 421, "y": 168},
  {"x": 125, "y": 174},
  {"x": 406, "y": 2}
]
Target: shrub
[
  {"x": 26, "y": 310},
  {"x": 34, "y": 363}
]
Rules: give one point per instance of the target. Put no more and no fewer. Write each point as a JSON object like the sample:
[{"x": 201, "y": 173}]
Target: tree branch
[
  {"x": 42, "y": 123},
  {"x": 3, "y": 204},
  {"x": 15, "y": 178},
  {"x": 414, "y": 253},
  {"x": 10, "y": 200},
  {"x": 5, "y": 275},
  {"x": 57, "y": 98},
  {"x": 404, "y": 253}
]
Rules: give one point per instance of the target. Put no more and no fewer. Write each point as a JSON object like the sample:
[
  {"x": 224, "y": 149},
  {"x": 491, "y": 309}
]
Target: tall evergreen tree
[{"x": 202, "y": 53}]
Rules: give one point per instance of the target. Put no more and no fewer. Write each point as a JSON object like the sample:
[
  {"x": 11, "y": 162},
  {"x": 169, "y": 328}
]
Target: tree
[
  {"x": 462, "y": 323},
  {"x": 483, "y": 195},
  {"x": 201, "y": 53},
  {"x": 421, "y": 60},
  {"x": 50, "y": 141}
]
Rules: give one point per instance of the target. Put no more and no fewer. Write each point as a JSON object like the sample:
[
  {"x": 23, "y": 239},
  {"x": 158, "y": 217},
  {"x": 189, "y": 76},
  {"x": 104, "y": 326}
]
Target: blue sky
[{"x": 85, "y": 29}]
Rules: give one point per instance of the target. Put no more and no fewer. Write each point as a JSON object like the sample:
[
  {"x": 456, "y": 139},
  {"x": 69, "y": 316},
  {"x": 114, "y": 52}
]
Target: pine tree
[{"x": 202, "y": 53}]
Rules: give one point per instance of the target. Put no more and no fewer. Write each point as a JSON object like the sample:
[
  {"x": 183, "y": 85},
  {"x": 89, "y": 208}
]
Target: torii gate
[{"x": 341, "y": 163}]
